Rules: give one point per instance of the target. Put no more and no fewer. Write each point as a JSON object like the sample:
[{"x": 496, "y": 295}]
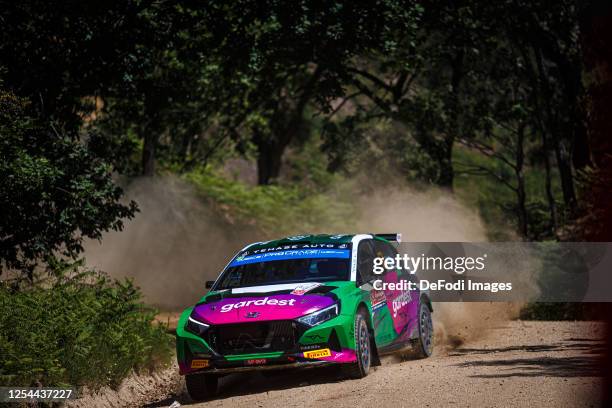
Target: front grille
[{"x": 246, "y": 338}]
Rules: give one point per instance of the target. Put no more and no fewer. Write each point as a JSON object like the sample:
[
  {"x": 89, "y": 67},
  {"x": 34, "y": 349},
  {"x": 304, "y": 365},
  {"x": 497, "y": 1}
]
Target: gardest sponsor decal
[
  {"x": 402, "y": 300},
  {"x": 259, "y": 302}
]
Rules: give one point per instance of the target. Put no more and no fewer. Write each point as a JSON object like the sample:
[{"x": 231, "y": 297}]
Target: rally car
[{"x": 302, "y": 301}]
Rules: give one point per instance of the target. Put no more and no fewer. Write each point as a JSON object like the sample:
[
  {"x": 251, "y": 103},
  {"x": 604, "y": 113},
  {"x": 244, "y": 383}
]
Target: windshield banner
[{"x": 291, "y": 254}]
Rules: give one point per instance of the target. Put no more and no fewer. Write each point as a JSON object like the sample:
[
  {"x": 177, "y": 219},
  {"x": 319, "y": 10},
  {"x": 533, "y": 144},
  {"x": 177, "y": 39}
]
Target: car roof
[
  {"x": 309, "y": 239},
  {"x": 305, "y": 239}
]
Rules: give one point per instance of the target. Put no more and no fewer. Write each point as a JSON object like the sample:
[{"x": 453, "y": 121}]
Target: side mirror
[{"x": 209, "y": 284}]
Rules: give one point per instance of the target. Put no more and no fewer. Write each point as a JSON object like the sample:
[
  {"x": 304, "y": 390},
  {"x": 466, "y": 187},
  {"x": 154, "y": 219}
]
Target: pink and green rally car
[{"x": 301, "y": 301}]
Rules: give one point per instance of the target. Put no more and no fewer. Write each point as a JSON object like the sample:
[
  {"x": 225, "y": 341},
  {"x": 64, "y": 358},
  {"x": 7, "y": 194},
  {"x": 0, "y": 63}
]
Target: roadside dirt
[
  {"x": 545, "y": 364},
  {"x": 135, "y": 391}
]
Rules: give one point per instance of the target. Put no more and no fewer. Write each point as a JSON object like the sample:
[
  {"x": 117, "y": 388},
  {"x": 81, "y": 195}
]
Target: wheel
[
  {"x": 363, "y": 349},
  {"x": 423, "y": 347},
  {"x": 201, "y": 386}
]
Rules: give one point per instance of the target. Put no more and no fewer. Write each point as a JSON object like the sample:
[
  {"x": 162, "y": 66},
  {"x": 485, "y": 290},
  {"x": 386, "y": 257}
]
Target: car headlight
[
  {"x": 320, "y": 316},
  {"x": 195, "y": 326}
]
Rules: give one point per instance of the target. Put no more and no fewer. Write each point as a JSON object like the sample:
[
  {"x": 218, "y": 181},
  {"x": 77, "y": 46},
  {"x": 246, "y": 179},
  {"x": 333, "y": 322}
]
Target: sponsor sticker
[
  {"x": 377, "y": 298},
  {"x": 256, "y": 361},
  {"x": 199, "y": 363},
  {"x": 306, "y": 347},
  {"x": 291, "y": 254},
  {"x": 400, "y": 301},
  {"x": 259, "y": 302},
  {"x": 304, "y": 288},
  {"x": 318, "y": 353}
]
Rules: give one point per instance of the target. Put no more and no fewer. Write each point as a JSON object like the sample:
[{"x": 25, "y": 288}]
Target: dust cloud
[
  {"x": 421, "y": 216},
  {"x": 174, "y": 244},
  {"x": 436, "y": 216}
]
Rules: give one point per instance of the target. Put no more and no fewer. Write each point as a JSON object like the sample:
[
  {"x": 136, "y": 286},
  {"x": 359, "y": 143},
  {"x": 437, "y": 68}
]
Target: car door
[
  {"x": 384, "y": 332},
  {"x": 402, "y": 304}
]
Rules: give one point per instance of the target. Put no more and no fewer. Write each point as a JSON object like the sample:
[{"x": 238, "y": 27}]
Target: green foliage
[
  {"x": 53, "y": 192},
  {"x": 122, "y": 150},
  {"x": 496, "y": 203},
  {"x": 86, "y": 329},
  {"x": 275, "y": 209},
  {"x": 57, "y": 54},
  {"x": 180, "y": 82},
  {"x": 380, "y": 145},
  {"x": 307, "y": 165}
]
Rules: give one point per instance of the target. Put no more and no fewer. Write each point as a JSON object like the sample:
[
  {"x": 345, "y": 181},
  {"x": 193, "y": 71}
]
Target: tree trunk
[
  {"x": 552, "y": 205},
  {"x": 286, "y": 123},
  {"x": 447, "y": 173},
  {"x": 521, "y": 208},
  {"x": 185, "y": 146},
  {"x": 148, "y": 152},
  {"x": 581, "y": 152},
  {"x": 559, "y": 138},
  {"x": 269, "y": 160},
  {"x": 523, "y": 221},
  {"x": 153, "y": 105},
  {"x": 567, "y": 178}
]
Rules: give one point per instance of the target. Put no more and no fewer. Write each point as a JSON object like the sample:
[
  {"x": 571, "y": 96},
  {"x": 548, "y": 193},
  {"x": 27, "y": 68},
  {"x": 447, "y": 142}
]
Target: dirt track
[{"x": 546, "y": 364}]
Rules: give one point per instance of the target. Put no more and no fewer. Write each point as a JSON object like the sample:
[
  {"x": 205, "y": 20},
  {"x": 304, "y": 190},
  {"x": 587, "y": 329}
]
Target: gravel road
[{"x": 517, "y": 364}]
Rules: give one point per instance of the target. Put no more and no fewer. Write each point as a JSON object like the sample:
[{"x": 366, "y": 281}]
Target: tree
[
  {"x": 595, "y": 218},
  {"x": 64, "y": 56},
  {"x": 53, "y": 193},
  {"x": 58, "y": 53},
  {"x": 292, "y": 57},
  {"x": 421, "y": 83},
  {"x": 548, "y": 40}
]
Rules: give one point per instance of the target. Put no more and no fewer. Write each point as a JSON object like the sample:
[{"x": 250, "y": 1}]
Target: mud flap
[{"x": 375, "y": 357}]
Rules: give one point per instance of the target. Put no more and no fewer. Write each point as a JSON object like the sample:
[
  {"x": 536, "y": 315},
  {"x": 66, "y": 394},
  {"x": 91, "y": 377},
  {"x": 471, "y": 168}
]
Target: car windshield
[{"x": 288, "y": 266}]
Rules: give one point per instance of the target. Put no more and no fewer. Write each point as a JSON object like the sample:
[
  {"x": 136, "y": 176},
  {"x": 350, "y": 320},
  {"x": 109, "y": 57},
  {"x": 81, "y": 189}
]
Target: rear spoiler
[{"x": 393, "y": 237}]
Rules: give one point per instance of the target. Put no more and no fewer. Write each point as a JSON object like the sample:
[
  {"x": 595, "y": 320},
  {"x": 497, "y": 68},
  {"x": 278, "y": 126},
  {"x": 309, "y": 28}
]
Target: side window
[
  {"x": 384, "y": 250},
  {"x": 389, "y": 250},
  {"x": 365, "y": 261}
]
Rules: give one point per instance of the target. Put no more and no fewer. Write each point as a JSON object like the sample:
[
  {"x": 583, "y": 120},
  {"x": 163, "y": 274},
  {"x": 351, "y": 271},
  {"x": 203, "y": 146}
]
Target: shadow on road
[{"x": 587, "y": 364}]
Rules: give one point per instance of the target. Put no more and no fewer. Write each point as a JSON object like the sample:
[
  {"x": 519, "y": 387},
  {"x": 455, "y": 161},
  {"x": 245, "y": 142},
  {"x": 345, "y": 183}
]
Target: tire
[
  {"x": 363, "y": 349},
  {"x": 201, "y": 386},
  {"x": 423, "y": 347}
]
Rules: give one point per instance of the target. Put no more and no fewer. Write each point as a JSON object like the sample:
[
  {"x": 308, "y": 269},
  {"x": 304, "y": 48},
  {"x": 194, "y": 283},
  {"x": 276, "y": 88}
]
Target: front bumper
[
  {"x": 331, "y": 342},
  {"x": 296, "y": 366}
]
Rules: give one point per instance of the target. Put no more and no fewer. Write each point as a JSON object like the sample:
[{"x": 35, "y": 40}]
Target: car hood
[{"x": 276, "y": 302}]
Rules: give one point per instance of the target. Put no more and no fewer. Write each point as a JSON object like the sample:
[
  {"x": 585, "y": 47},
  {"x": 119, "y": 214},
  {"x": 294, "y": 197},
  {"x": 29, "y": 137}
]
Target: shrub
[{"x": 87, "y": 329}]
